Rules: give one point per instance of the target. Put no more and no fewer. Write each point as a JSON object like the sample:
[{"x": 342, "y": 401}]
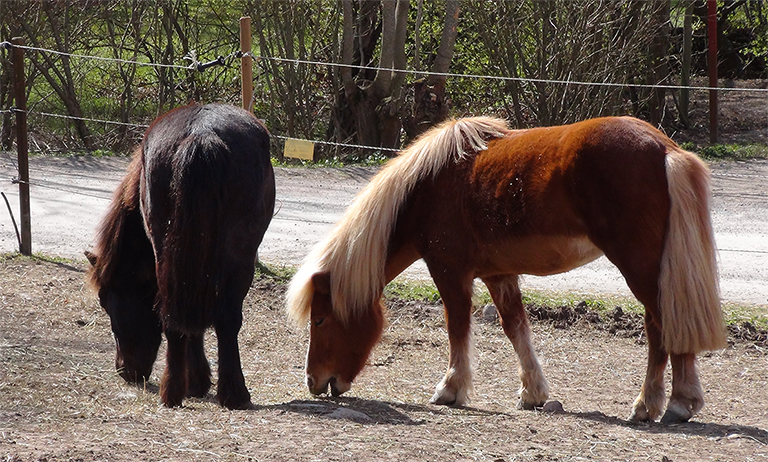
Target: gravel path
[{"x": 69, "y": 196}]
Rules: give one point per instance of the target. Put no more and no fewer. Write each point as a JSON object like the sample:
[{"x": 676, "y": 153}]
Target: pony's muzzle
[
  {"x": 338, "y": 387},
  {"x": 314, "y": 387}
]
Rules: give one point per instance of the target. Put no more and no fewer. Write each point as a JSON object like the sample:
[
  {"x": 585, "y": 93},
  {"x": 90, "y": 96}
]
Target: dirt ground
[{"x": 60, "y": 398}]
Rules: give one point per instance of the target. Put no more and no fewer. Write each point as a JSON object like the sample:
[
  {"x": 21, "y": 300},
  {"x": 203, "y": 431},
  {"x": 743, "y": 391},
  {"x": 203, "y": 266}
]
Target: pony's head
[
  {"x": 123, "y": 273},
  {"x": 135, "y": 325},
  {"x": 338, "y": 346}
]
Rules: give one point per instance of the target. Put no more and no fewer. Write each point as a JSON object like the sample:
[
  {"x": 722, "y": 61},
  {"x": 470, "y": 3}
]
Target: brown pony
[
  {"x": 475, "y": 199},
  {"x": 176, "y": 251}
]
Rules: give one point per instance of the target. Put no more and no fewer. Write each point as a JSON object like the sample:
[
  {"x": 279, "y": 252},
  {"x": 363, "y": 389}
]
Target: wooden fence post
[
  {"x": 22, "y": 146},
  {"x": 246, "y": 63}
]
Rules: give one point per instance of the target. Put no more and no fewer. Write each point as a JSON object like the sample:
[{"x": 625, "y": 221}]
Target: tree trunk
[
  {"x": 685, "y": 76},
  {"x": 8, "y": 29},
  {"x": 372, "y": 105},
  {"x": 659, "y": 68},
  {"x": 61, "y": 80},
  {"x": 360, "y": 33},
  {"x": 430, "y": 104},
  {"x": 388, "y": 93},
  {"x": 417, "y": 35},
  {"x": 6, "y": 102},
  {"x": 375, "y": 102},
  {"x": 119, "y": 35},
  {"x": 545, "y": 10},
  {"x": 363, "y": 116}
]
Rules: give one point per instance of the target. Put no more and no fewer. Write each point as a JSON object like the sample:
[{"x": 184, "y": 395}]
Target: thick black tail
[{"x": 190, "y": 273}]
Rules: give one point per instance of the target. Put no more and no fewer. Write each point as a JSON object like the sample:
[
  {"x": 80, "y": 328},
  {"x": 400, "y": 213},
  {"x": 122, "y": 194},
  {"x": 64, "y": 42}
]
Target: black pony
[{"x": 176, "y": 251}]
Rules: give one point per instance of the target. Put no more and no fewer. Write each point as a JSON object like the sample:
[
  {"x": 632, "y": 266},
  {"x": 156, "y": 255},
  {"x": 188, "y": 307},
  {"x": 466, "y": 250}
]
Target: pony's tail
[
  {"x": 689, "y": 300},
  {"x": 189, "y": 274}
]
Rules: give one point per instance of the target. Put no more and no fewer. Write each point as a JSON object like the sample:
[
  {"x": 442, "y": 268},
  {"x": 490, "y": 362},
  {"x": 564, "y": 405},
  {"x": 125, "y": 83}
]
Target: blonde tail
[{"x": 689, "y": 299}]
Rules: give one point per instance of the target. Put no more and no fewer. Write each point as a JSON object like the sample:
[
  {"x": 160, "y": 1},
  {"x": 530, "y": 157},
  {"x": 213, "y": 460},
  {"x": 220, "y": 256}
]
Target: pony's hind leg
[
  {"x": 505, "y": 293},
  {"x": 687, "y": 396},
  {"x": 650, "y": 401},
  {"x": 231, "y": 389},
  {"x": 455, "y": 387},
  {"x": 173, "y": 386},
  {"x": 198, "y": 369}
]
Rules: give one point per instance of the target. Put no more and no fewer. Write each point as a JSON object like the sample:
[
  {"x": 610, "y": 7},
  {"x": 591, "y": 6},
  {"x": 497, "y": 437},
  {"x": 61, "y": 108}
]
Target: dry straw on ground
[{"x": 60, "y": 398}]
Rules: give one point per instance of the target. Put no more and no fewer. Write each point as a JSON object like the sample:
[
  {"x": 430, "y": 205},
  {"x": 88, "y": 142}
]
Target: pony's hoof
[
  {"x": 171, "y": 402},
  {"x": 171, "y": 393},
  {"x": 676, "y": 414},
  {"x": 448, "y": 399},
  {"x": 640, "y": 413},
  {"x": 526, "y": 406},
  {"x": 241, "y": 405},
  {"x": 681, "y": 410},
  {"x": 233, "y": 394},
  {"x": 445, "y": 396},
  {"x": 239, "y": 401},
  {"x": 198, "y": 389},
  {"x": 673, "y": 418}
]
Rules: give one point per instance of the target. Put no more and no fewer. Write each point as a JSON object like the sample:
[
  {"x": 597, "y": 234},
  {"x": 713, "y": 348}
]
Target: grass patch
[
  {"x": 37, "y": 257},
  {"x": 738, "y": 313},
  {"x": 412, "y": 289},
  {"x": 425, "y": 290},
  {"x": 98, "y": 153},
  {"x": 372, "y": 160},
  {"x": 11, "y": 256},
  {"x": 279, "y": 273},
  {"x": 728, "y": 151},
  {"x": 602, "y": 304}
]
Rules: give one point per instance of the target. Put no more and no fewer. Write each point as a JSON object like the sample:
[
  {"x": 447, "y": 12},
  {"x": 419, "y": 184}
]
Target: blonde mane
[{"x": 355, "y": 252}]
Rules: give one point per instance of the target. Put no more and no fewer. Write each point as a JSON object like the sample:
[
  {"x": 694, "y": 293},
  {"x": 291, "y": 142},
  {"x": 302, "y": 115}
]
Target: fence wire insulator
[
  {"x": 216, "y": 62},
  {"x": 5, "y": 45}
]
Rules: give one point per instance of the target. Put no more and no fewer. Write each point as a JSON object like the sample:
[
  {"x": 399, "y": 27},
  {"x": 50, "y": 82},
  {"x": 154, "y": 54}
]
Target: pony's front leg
[
  {"x": 173, "y": 386},
  {"x": 687, "y": 396},
  {"x": 505, "y": 292},
  {"x": 456, "y": 386},
  {"x": 650, "y": 401}
]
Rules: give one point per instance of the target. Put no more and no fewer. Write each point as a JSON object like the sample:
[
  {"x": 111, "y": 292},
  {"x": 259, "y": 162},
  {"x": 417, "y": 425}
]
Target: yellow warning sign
[{"x": 299, "y": 149}]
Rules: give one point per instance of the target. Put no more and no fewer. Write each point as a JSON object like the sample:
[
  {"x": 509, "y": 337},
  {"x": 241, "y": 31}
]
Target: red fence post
[
  {"x": 712, "y": 58},
  {"x": 22, "y": 146}
]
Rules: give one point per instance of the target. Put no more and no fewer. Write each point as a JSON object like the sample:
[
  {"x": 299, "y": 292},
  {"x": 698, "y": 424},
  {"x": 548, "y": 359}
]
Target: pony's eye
[{"x": 319, "y": 322}]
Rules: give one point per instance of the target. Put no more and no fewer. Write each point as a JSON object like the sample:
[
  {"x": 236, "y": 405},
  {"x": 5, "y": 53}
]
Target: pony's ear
[
  {"x": 92, "y": 257},
  {"x": 322, "y": 283}
]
